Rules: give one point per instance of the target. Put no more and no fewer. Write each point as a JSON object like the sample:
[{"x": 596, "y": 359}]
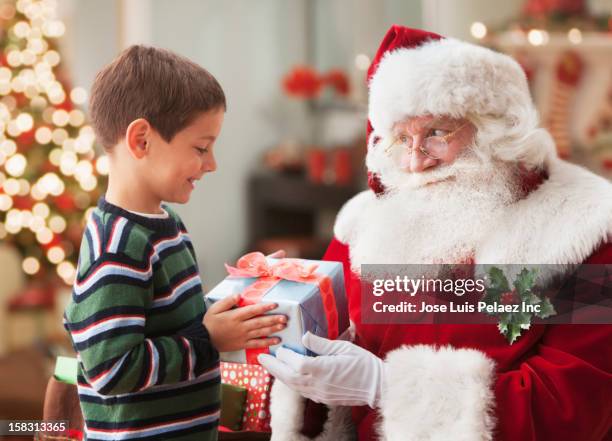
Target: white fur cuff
[
  {"x": 437, "y": 394},
  {"x": 287, "y": 409}
]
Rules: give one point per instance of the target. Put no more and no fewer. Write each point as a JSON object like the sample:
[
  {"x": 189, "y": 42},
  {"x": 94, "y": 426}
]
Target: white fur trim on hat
[
  {"x": 445, "y": 77},
  {"x": 437, "y": 395},
  {"x": 451, "y": 77}
]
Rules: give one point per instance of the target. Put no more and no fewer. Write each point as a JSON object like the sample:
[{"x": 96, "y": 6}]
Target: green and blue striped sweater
[{"x": 147, "y": 367}]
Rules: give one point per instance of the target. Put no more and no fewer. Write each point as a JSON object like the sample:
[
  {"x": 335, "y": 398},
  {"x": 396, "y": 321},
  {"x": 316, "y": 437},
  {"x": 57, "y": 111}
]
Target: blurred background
[{"x": 292, "y": 146}]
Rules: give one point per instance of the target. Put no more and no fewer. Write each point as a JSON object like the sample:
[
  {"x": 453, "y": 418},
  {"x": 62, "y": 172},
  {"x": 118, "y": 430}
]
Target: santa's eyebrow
[{"x": 440, "y": 121}]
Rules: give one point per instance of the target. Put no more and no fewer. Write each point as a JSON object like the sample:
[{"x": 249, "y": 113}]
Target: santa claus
[{"x": 459, "y": 172}]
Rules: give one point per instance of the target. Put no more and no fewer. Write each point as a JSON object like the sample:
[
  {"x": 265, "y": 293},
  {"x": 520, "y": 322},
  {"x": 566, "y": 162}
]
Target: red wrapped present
[{"x": 258, "y": 382}]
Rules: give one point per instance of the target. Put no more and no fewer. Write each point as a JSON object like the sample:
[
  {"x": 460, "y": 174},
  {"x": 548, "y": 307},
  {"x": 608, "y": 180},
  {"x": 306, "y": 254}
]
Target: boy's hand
[{"x": 242, "y": 328}]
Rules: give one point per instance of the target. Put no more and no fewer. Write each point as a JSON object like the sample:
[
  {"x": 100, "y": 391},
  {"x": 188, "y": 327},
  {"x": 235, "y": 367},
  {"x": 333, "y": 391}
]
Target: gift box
[
  {"x": 233, "y": 399},
  {"x": 66, "y": 370},
  {"x": 257, "y": 381},
  {"x": 309, "y": 292}
]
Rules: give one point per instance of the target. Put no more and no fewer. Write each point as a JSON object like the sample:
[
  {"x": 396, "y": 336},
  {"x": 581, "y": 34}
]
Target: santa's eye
[
  {"x": 404, "y": 139},
  {"x": 439, "y": 132}
]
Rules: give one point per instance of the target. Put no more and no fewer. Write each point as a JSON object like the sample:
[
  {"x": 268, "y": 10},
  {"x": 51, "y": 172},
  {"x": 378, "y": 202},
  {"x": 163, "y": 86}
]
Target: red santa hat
[{"x": 416, "y": 72}]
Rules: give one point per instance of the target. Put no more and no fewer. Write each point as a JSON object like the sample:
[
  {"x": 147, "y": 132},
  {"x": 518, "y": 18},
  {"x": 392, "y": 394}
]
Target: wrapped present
[
  {"x": 66, "y": 370},
  {"x": 232, "y": 405},
  {"x": 257, "y": 381},
  {"x": 310, "y": 293}
]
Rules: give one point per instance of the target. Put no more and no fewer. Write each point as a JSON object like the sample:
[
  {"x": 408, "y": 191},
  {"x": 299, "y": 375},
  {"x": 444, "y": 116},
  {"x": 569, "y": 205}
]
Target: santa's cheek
[{"x": 405, "y": 160}]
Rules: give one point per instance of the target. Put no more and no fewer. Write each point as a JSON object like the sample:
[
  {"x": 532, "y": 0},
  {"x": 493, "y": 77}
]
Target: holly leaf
[
  {"x": 511, "y": 331},
  {"x": 546, "y": 308},
  {"x": 492, "y": 296},
  {"x": 498, "y": 280},
  {"x": 522, "y": 319},
  {"x": 514, "y": 332},
  {"x": 531, "y": 299},
  {"x": 525, "y": 281}
]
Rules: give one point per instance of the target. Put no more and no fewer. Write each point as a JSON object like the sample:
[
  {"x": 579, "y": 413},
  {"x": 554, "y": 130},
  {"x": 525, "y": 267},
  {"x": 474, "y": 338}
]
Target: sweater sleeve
[{"x": 106, "y": 321}]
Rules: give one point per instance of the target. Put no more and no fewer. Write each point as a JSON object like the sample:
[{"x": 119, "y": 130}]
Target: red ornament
[
  {"x": 338, "y": 80},
  {"x": 25, "y": 140},
  {"x": 36, "y": 295},
  {"x": 607, "y": 164},
  {"x": 342, "y": 166},
  {"x": 569, "y": 68},
  {"x": 540, "y": 8},
  {"x": 302, "y": 82},
  {"x": 21, "y": 99},
  {"x": 55, "y": 241},
  {"x": 65, "y": 105},
  {"x": 65, "y": 203},
  {"x": 316, "y": 165},
  {"x": 23, "y": 202}
]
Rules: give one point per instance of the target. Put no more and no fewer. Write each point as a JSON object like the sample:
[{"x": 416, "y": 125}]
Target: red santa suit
[{"x": 466, "y": 382}]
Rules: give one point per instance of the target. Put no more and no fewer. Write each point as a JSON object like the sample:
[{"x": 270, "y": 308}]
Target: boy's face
[{"x": 174, "y": 167}]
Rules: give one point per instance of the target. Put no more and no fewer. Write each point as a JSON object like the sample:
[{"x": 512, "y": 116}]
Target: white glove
[{"x": 343, "y": 374}]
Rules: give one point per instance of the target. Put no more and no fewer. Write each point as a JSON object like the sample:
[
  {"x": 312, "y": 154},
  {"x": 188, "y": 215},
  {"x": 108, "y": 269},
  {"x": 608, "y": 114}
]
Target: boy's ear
[{"x": 137, "y": 136}]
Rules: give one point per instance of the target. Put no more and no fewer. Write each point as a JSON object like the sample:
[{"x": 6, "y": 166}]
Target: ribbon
[{"x": 268, "y": 275}]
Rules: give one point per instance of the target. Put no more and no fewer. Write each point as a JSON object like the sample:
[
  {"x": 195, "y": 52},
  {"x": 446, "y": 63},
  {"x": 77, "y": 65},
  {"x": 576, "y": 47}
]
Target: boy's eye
[{"x": 202, "y": 150}]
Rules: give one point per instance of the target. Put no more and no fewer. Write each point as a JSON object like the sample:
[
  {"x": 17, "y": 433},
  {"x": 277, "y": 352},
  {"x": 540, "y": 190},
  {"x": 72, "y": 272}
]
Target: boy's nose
[{"x": 209, "y": 165}]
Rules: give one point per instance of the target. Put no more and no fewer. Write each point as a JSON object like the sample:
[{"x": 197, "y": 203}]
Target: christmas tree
[{"x": 49, "y": 174}]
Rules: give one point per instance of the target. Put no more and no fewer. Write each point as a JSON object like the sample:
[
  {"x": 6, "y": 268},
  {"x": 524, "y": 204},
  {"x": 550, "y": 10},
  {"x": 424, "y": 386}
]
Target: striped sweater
[{"x": 147, "y": 368}]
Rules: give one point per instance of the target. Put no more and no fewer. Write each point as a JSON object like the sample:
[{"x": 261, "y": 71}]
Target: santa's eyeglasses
[{"x": 433, "y": 146}]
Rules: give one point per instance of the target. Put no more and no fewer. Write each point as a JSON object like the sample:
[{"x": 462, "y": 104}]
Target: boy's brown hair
[{"x": 164, "y": 88}]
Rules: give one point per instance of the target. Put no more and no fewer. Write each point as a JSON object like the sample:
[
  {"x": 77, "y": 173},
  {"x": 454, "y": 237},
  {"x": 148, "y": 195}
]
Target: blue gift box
[{"x": 300, "y": 302}]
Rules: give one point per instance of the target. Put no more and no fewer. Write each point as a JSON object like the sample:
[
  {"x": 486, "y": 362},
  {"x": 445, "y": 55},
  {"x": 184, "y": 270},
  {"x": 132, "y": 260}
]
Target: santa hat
[{"x": 416, "y": 72}]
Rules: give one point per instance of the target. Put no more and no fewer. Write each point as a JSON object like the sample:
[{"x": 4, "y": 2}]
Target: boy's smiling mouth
[{"x": 192, "y": 182}]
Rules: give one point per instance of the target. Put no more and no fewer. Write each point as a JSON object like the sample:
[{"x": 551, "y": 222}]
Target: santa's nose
[{"x": 416, "y": 161}]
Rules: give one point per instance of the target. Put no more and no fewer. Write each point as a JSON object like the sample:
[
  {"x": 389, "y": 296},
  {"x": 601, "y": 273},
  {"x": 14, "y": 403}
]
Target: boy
[{"x": 148, "y": 356}]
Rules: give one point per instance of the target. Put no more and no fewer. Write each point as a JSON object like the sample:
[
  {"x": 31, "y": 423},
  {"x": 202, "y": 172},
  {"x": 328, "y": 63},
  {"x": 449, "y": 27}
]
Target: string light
[
  {"x": 60, "y": 118},
  {"x": 41, "y": 209},
  {"x": 537, "y": 37},
  {"x": 62, "y": 133},
  {"x": 43, "y": 135},
  {"x": 57, "y": 224},
  {"x": 56, "y": 254},
  {"x": 88, "y": 183},
  {"x": 11, "y": 186},
  {"x": 13, "y": 221},
  {"x": 66, "y": 271},
  {"x": 574, "y": 35},
  {"x": 15, "y": 165},
  {"x": 44, "y": 235},
  {"x": 362, "y": 62},
  {"x": 78, "y": 95},
  {"x": 30, "y": 265},
  {"x": 478, "y": 30},
  {"x": 102, "y": 165},
  {"x": 6, "y": 202},
  {"x": 76, "y": 118},
  {"x": 36, "y": 224},
  {"x": 58, "y": 136},
  {"x": 24, "y": 187},
  {"x": 25, "y": 122},
  {"x": 8, "y": 147}
]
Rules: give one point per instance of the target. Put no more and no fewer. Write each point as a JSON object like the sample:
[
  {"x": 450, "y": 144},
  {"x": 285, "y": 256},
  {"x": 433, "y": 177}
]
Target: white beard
[{"x": 443, "y": 222}]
